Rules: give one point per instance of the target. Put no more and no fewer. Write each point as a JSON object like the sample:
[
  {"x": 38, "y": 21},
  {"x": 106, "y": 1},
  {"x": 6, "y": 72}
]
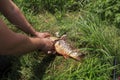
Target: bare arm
[
  {"x": 15, "y": 16},
  {"x": 18, "y": 44}
]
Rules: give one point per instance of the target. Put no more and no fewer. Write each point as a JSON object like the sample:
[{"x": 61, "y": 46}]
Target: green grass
[{"x": 85, "y": 31}]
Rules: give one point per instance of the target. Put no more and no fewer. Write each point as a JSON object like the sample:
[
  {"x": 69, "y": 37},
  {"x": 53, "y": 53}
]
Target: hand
[
  {"x": 47, "y": 45},
  {"x": 42, "y": 35}
]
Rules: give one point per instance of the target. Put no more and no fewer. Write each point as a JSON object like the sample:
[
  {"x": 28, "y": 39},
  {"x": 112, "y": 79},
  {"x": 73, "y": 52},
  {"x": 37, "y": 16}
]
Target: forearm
[
  {"x": 15, "y": 16},
  {"x": 22, "y": 45},
  {"x": 25, "y": 45},
  {"x": 16, "y": 44}
]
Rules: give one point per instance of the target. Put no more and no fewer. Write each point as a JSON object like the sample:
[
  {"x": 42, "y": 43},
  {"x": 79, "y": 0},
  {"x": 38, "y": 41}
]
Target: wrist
[
  {"x": 29, "y": 30},
  {"x": 35, "y": 33},
  {"x": 37, "y": 42}
]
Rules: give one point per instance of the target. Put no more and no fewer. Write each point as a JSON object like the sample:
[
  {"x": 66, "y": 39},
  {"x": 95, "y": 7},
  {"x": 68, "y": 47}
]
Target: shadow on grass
[
  {"x": 39, "y": 70},
  {"x": 8, "y": 68}
]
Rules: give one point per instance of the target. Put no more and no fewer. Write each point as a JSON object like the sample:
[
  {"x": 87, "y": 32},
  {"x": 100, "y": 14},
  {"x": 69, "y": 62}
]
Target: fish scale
[{"x": 64, "y": 49}]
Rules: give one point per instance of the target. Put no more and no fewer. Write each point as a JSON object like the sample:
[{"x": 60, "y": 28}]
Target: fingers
[
  {"x": 51, "y": 52},
  {"x": 48, "y": 43},
  {"x": 48, "y": 46},
  {"x": 46, "y": 34},
  {"x": 42, "y": 35}
]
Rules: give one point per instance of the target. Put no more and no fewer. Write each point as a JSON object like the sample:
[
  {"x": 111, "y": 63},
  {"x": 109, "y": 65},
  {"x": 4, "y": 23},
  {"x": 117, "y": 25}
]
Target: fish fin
[
  {"x": 57, "y": 34},
  {"x": 63, "y": 37},
  {"x": 65, "y": 56},
  {"x": 76, "y": 50}
]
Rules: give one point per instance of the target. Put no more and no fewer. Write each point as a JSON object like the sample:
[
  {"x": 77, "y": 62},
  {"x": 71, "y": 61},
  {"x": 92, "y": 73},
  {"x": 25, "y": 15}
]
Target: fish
[{"x": 62, "y": 47}]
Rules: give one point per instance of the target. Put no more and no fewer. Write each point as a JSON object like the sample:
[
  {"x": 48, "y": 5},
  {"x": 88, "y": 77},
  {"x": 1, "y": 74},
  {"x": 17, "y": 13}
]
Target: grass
[{"x": 86, "y": 32}]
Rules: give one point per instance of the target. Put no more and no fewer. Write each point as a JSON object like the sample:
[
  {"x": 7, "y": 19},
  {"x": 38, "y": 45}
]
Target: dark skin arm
[
  {"x": 17, "y": 44},
  {"x": 12, "y": 43},
  {"x": 15, "y": 16}
]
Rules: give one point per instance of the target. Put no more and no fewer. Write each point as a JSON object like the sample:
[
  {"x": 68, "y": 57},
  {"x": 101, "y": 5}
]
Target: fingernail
[{"x": 49, "y": 52}]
